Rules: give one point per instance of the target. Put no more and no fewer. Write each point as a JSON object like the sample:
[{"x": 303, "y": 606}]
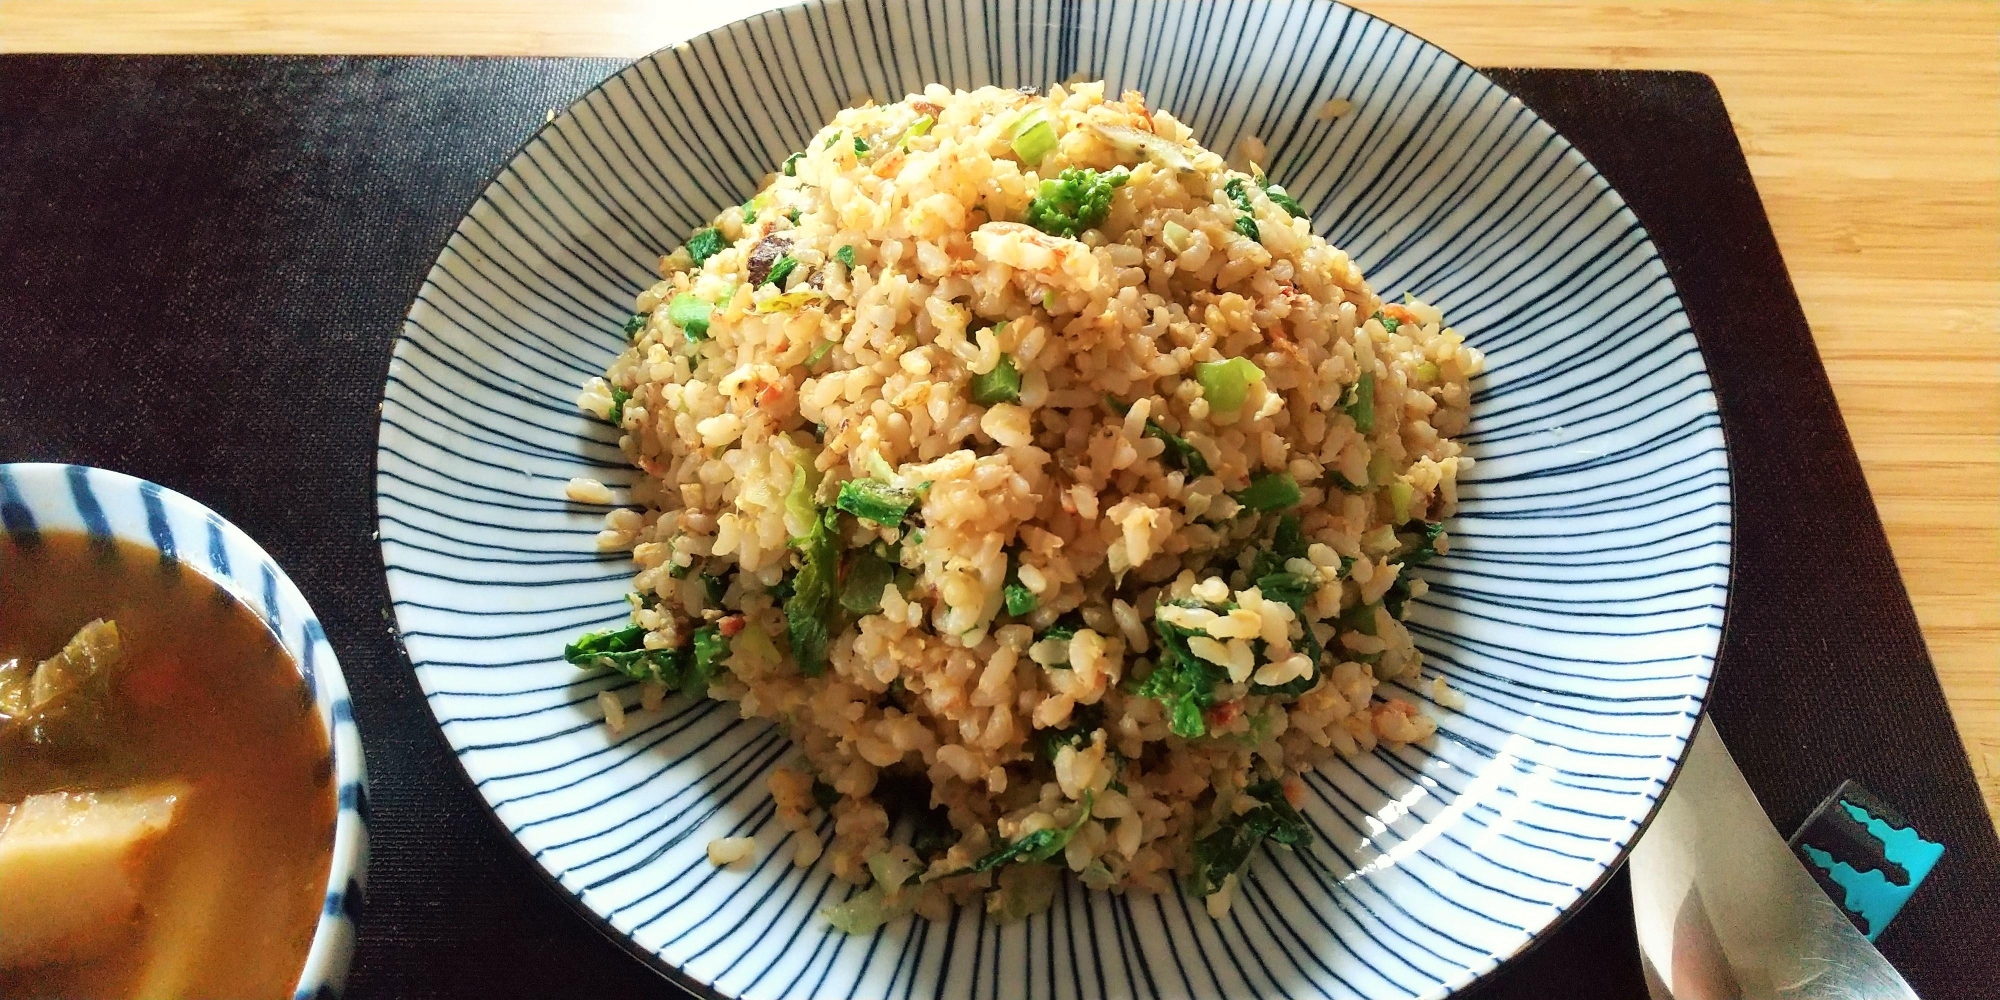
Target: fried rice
[{"x": 1048, "y": 481}]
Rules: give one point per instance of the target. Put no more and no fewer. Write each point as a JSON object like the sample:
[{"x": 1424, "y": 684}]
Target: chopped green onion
[
  {"x": 917, "y": 130},
  {"x": 636, "y": 324},
  {"x": 1270, "y": 491},
  {"x": 1400, "y": 495},
  {"x": 703, "y": 244},
  {"x": 1381, "y": 468},
  {"x": 1381, "y": 540},
  {"x": 1360, "y": 403},
  {"x": 1001, "y": 385},
  {"x": 1034, "y": 136},
  {"x": 830, "y": 140},
  {"x": 618, "y": 399},
  {"x": 1225, "y": 384},
  {"x": 692, "y": 315},
  {"x": 819, "y": 353},
  {"x": 860, "y": 147},
  {"x": 781, "y": 269},
  {"x": 792, "y": 164},
  {"x": 793, "y": 216},
  {"x": 876, "y": 501},
  {"x": 845, "y": 255},
  {"x": 799, "y": 499}
]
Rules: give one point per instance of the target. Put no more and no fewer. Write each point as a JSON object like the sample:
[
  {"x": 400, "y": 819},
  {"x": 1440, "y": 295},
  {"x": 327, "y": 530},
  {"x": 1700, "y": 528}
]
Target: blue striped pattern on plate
[
  {"x": 37, "y": 497},
  {"x": 1579, "y": 610}
]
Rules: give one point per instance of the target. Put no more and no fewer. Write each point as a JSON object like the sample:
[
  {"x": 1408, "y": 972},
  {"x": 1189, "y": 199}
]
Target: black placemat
[{"x": 204, "y": 261}]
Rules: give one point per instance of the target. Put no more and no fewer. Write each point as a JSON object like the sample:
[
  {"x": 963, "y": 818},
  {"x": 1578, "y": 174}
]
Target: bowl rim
[
  {"x": 777, "y": 9},
  {"x": 31, "y": 491}
]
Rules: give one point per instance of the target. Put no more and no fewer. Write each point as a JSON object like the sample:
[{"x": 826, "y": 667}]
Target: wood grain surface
[{"x": 1873, "y": 130}]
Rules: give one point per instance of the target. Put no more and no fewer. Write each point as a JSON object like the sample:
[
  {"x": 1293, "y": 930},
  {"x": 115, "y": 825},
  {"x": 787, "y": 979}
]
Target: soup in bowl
[{"x": 178, "y": 815}]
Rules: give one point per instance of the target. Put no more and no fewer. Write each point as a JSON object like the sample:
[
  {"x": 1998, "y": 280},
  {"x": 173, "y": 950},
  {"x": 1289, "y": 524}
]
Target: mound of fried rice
[{"x": 1117, "y": 590}]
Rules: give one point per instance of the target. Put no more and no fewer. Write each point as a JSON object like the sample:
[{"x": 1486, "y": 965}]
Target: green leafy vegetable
[
  {"x": 1286, "y": 588},
  {"x": 1417, "y": 548},
  {"x": 830, "y": 140},
  {"x": 1359, "y": 402},
  {"x": 1001, "y": 385},
  {"x": 619, "y": 397},
  {"x": 1083, "y": 721},
  {"x": 1237, "y": 193},
  {"x": 1038, "y": 846},
  {"x": 781, "y": 269},
  {"x": 792, "y": 164},
  {"x": 1227, "y": 849},
  {"x": 65, "y": 700},
  {"x": 1359, "y": 618},
  {"x": 1064, "y": 628},
  {"x": 860, "y": 148},
  {"x": 877, "y": 501},
  {"x": 624, "y": 650},
  {"x": 635, "y": 325},
  {"x": 1076, "y": 200},
  {"x": 1246, "y": 223},
  {"x": 845, "y": 255},
  {"x": 1225, "y": 384},
  {"x": 867, "y": 574},
  {"x": 704, "y": 243},
  {"x": 1183, "y": 454},
  {"x": 1181, "y": 681},
  {"x": 1270, "y": 491},
  {"x": 710, "y": 647},
  {"x": 1020, "y": 600},
  {"x": 809, "y": 609},
  {"x": 692, "y": 315},
  {"x": 824, "y": 795},
  {"x": 1283, "y": 200}
]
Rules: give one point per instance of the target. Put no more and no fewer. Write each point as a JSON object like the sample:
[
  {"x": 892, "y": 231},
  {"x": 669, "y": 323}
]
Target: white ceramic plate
[{"x": 1579, "y": 610}]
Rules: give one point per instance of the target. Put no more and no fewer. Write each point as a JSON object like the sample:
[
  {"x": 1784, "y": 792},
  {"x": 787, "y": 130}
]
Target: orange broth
[{"x": 231, "y": 894}]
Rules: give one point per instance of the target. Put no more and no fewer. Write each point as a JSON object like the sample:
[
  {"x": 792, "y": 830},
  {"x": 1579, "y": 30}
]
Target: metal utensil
[{"x": 1724, "y": 910}]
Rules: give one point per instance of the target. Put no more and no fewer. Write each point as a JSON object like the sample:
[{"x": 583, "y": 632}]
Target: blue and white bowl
[
  {"x": 37, "y": 497},
  {"x": 1578, "y": 613}
]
